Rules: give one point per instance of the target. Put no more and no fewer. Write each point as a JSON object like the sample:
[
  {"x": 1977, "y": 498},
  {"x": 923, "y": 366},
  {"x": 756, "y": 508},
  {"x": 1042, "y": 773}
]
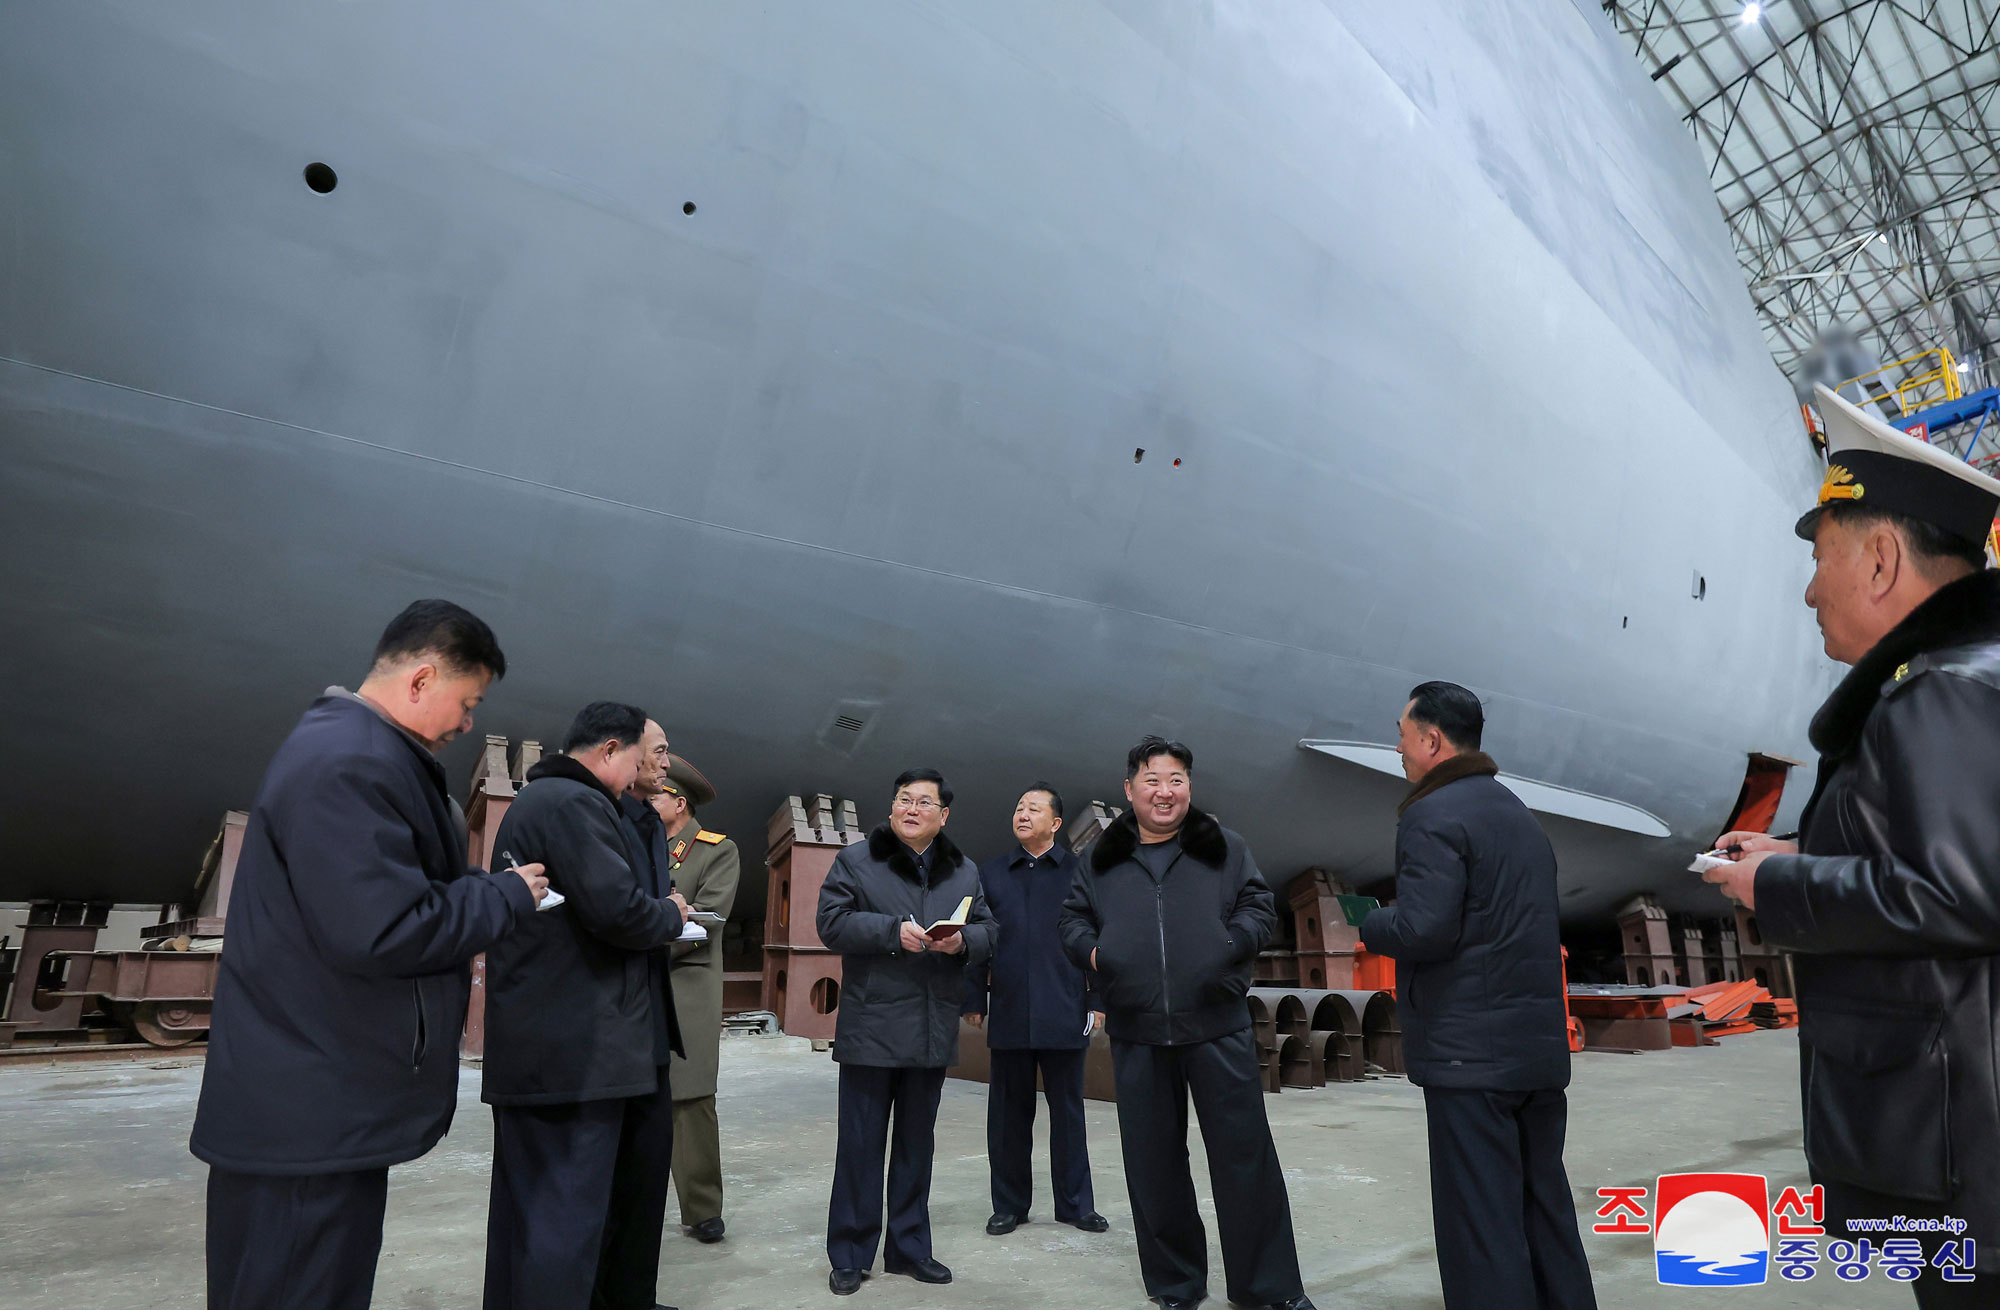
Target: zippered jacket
[
  {"x": 1174, "y": 954},
  {"x": 353, "y": 921}
]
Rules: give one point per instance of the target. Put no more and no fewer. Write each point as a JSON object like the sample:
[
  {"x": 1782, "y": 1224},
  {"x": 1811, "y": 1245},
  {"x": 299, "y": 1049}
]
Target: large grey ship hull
[{"x": 1422, "y": 314}]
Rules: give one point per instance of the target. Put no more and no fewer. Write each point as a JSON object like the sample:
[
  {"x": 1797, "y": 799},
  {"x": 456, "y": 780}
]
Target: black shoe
[
  {"x": 1002, "y": 1224},
  {"x": 1090, "y": 1223},
  {"x": 1168, "y": 1303},
  {"x": 845, "y": 1282},
  {"x": 1299, "y": 1302},
  {"x": 924, "y": 1271},
  {"x": 708, "y": 1230}
]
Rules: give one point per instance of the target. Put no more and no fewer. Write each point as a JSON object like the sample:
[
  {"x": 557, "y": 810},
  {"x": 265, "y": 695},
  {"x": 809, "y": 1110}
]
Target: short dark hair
[
  {"x": 908, "y": 776},
  {"x": 458, "y": 637},
  {"x": 1931, "y": 544},
  {"x": 602, "y": 721},
  {"x": 1055, "y": 797},
  {"x": 1451, "y": 709},
  {"x": 1149, "y": 746}
]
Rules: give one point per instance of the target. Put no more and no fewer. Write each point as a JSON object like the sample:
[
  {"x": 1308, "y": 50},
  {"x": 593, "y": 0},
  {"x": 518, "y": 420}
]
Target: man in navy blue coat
[
  {"x": 1034, "y": 1003},
  {"x": 1478, "y": 956},
  {"x": 334, "y": 1047}
]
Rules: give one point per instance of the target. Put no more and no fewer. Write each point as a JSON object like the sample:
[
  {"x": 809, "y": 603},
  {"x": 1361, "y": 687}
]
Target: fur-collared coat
[
  {"x": 1474, "y": 933},
  {"x": 1174, "y": 954},
  {"x": 1894, "y": 910},
  {"x": 899, "y": 1009},
  {"x": 576, "y": 997}
]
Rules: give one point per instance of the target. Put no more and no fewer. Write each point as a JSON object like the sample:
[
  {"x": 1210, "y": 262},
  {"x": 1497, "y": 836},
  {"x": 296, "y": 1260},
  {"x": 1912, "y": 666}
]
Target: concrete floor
[{"x": 101, "y": 1206}]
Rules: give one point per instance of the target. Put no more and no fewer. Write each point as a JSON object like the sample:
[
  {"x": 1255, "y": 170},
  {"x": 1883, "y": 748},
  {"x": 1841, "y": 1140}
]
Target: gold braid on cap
[{"x": 1839, "y": 485}]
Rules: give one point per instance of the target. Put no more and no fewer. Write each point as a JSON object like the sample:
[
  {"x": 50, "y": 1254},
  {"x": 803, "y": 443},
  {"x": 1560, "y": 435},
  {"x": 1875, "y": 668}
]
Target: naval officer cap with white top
[{"x": 1872, "y": 466}]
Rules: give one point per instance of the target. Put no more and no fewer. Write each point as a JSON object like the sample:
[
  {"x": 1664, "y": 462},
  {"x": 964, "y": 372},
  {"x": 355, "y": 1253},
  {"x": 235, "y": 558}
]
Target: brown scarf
[{"x": 1472, "y": 764}]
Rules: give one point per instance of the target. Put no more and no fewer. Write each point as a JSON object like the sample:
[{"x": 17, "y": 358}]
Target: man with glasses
[{"x": 896, "y": 1031}]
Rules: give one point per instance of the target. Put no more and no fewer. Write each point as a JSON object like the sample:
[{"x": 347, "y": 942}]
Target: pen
[
  {"x": 1738, "y": 850},
  {"x": 550, "y": 898}
]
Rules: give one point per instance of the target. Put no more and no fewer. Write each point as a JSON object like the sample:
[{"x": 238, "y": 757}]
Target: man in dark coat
[
  {"x": 896, "y": 1030},
  {"x": 1169, "y": 912},
  {"x": 1480, "y": 996},
  {"x": 654, "y": 867},
  {"x": 579, "y": 1030},
  {"x": 334, "y": 1050},
  {"x": 1033, "y": 1002},
  {"x": 1891, "y": 899}
]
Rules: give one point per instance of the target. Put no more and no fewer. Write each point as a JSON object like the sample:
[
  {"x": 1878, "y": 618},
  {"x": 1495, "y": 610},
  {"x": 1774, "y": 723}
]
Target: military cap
[
  {"x": 683, "y": 779},
  {"x": 1871, "y": 464}
]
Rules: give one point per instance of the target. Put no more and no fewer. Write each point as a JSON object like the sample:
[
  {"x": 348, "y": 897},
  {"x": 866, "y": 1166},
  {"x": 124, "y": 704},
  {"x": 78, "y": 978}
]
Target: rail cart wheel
[{"x": 168, "y": 1023}]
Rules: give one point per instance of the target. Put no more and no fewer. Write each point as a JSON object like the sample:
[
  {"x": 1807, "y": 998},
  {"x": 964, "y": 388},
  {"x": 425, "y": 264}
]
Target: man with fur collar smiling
[
  {"x": 1169, "y": 911},
  {"x": 1474, "y": 933},
  {"x": 897, "y": 1027}
]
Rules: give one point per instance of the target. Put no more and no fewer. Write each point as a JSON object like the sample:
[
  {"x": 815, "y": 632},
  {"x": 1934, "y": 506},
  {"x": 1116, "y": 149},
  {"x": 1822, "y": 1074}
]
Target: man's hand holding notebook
[{"x": 950, "y": 927}]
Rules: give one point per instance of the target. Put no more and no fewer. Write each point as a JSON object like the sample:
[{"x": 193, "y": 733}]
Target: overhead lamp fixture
[
  {"x": 1883, "y": 237},
  {"x": 1751, "y": 13},
  {"x": 1964, "y": 367}
]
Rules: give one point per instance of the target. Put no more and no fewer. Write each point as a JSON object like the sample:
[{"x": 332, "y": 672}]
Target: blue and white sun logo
[{"x": 1712, "y": 1230}]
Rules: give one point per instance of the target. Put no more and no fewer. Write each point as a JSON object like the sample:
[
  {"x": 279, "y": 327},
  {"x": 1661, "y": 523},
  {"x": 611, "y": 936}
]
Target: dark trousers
[
  {"x": 294, "y": 1243},
  {"x": 1844, "y": 1202},
  {"x": 1259, "y": 1259},
  {"x": 869, "y": 1097},
  {"x": 579, "y": 1202},
  {"x": 1010, "y": 1131},
  {"x": 1501, "y": 1206}
]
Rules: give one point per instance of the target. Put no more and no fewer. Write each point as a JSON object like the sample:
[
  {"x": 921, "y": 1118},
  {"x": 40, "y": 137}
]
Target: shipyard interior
[{"x": 860, "y": 426}]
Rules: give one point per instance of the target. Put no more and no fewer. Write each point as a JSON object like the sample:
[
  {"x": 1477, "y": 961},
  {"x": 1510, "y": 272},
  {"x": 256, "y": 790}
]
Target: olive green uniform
[{"x": 705, "y": 868}]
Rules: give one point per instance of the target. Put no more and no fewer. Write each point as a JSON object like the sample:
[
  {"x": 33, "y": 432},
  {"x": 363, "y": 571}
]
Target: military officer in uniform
[
  {"x": 705, "y": 870},
  {"x": 1891, "y": 897}
]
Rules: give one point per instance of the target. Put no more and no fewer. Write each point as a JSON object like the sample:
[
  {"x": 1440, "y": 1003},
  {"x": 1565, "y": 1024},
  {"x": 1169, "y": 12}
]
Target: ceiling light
[
  {"x": 1883, "y": 237},
  {"x": 1751, "y": 13}
]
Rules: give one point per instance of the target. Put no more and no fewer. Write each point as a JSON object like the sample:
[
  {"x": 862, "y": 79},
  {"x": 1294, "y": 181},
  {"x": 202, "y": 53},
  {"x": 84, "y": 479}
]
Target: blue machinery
[{"x": 1980, "y": 406}]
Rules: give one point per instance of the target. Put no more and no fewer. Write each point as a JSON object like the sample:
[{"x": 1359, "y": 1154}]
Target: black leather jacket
[{"x": 1894, "y": 908}]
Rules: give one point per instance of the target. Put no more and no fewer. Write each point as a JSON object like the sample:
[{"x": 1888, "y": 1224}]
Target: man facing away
[
  {"x": 705, "y": 869},
  {"x": 1480, "y": 997},
  {"x": 1890, "y": 901},
  {"x": 579, "y": 1031},
  {"x": 896, "y": 1030},
  {"x": 1169, "y": 912},
  {"x": 334, "y": 1050},
  {"x": 1033, "y": 1002}
]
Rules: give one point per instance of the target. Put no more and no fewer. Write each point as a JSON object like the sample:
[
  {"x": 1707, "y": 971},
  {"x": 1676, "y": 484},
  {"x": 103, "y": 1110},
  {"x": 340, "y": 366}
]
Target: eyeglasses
[{"x": 922, "y": 804}]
